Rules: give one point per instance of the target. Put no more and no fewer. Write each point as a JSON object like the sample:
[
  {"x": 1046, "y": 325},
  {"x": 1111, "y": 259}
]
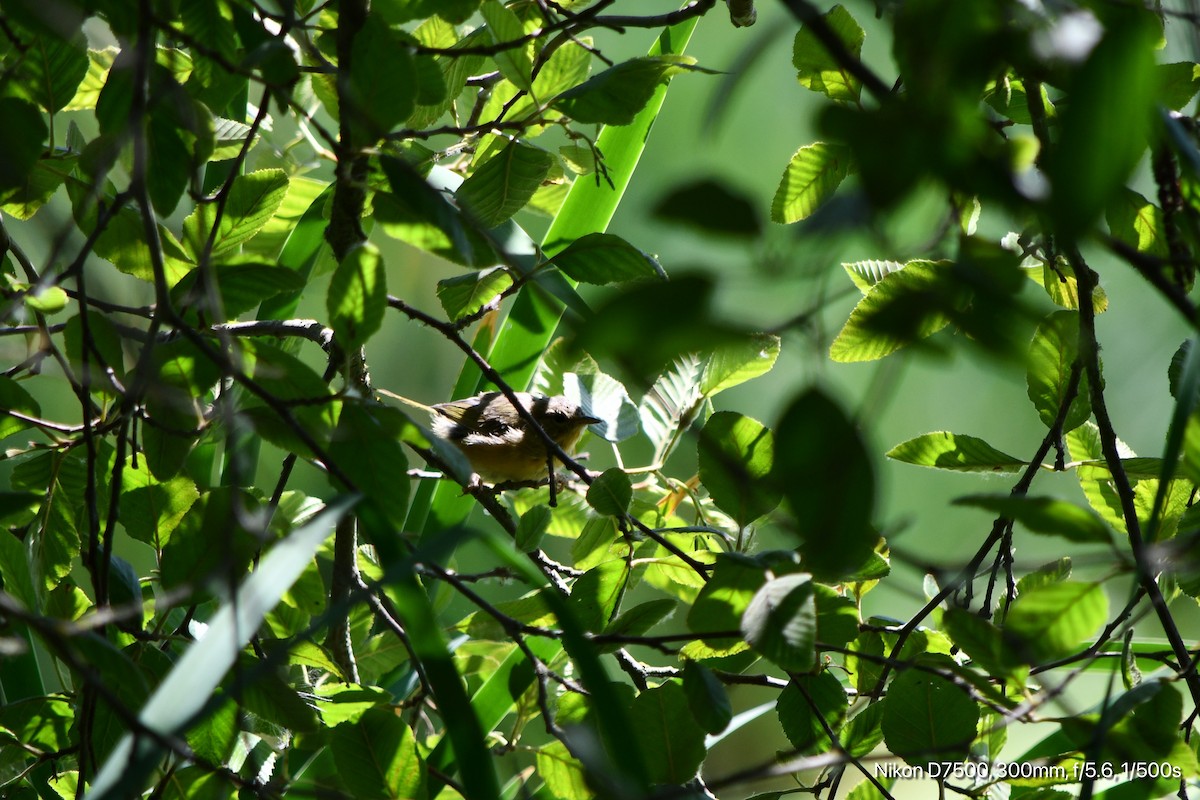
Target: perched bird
[{"x": 499, "y": 442}]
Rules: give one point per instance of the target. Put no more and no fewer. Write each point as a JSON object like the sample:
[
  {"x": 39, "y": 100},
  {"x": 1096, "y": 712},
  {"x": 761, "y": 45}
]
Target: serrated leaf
[
  {"x": 805, "y": 722},
  {"x": 866, "y": 274},
  {"x": 602, "y": 258},
  {"x": 671, "y": 744},
  {"x": 253, "y": 200},
  {"x": 377, "y": 756},
  {"x": 464, "y": 295},
  {"x": 739, "y": 362},
  {"x": 1052, "y": 357},
  {"x": 616, "y": 95},
  {"x": 811, "y": 178},
  {"x": 905, "y": 306},
  {"x": 954, "y": 451},
  {"x": 516, "y": 63},
  {"x": 1053, "y": 621},
  {"x": 532, "y": 527},
  {"x": 357, "y": 296},
  {"x": 672, "y": 404},
  {"x": 504, "y": 183},
  {"x": 927, "y": 718}
]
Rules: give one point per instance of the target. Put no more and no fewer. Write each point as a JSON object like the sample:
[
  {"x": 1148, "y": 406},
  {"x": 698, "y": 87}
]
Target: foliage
[{"x": 220, "y": 576}]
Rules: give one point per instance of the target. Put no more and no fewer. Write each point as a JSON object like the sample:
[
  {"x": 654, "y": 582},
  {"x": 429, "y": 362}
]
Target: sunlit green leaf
[
  {"x": 357, "y": 296},
  {"x": 954, "y": 451},
  {"x": 820, "y": 71},
  {"x": 811, "y": 178}
]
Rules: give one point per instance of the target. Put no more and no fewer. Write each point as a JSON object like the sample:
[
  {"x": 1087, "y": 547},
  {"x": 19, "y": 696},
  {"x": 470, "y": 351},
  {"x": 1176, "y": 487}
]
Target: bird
[{"x": 499, "y": 443}]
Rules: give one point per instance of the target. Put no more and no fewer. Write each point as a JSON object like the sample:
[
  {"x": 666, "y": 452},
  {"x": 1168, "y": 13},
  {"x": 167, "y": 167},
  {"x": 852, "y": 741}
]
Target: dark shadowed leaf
[
  {"x": 825, "y": 474},
  {"x": 709, "y": 206}
]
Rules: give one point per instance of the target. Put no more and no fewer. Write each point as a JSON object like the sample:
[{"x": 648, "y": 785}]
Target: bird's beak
[{"x": 587, "y": 420}]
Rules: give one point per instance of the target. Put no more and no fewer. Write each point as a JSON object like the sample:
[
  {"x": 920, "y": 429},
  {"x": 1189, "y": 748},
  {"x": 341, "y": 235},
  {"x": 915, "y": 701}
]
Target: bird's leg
[{"x": 553, "y": 488}]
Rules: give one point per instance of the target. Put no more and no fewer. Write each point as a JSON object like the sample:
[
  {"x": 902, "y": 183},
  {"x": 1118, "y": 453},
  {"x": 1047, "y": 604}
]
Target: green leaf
[
  {"x": 532, "y": 527},
  {"x": 865, "y": 274},
  {"x": 1046, "y": 515},
  {"x": 827, "y": 478},
  {"x": 781, "y": 622},
  {"x": 955, "y": 451},
  {"x": 241, "y": 283},
  {"x": 739, "y": 362},
  {"x": 596, "y": 593},
  {"x": 817, "y": 69},
  {"x": 376, "y": 756},
  {"x": 672, "y": 745},
  {"x": 837, "y": 617},
  {"x": 1178, "y": 83},
  {"x": 311, "y": 409},
  {"x": 50, "y": 70},
  {"x": 811, "y": 178},
  {"x": 214, "y": 738},
  {"x": 1052, "y": 356},
  {"x": 1050, "y": 622},
  {"x": 804, "y": 722},
  {"x": 375, "y": 104},
  {"x": 905, "y": 306},
  {"x": 736, "y": 455},
  {"x": 1138, "y": 222},
  {"x": 1087, "y": 171},
  {"x": 642, "y": 617},
  {"x": 22, "y": 202},
  {"x": 926, "y": 718},
  {"x": 464, "y": 295},
  {"x": 414, "y": 205},
  {"x": 611, "y": 493},
  {"x": 1063, "y": 289},
  {"x": 209, "y": 541},
  {"x": 46, "y": 299},
  {"x": 707, "y": 698},
  {"x": 366, "y": 448},
  {"x": 616, "y": 95},
  {"x": 565, "y": 777},
  {"x": 516, "y": 63},
  {"x": 21, "y": 139},
  {"x": 253, "y": 200},
  {"x": 981, "y": 640},
  {"x": 357, "y": 296},
  {"x": 602, "y": 258},
  {"x": 504, "y": 183},
  {"x": 724, "y": 598},
  {"x": 151, "y": 509},
  {"x": 14, "y": 399}
]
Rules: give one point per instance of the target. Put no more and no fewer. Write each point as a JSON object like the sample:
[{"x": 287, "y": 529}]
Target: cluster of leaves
[{"x": 180, "y": 625}]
